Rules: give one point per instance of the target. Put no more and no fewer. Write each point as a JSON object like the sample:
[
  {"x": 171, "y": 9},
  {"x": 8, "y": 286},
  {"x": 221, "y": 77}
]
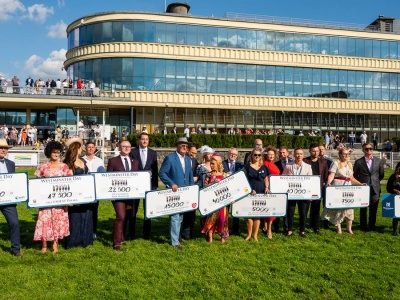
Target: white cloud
[
  {"x": 61, "y": 3},
  {"x": 39, "y": 13},
  {"x": 50, "y": 67},
  {"x": 57, "y": 30},
  {"x": 10, "y": 8}
]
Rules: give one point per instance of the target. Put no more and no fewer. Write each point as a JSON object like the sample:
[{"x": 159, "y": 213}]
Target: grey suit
[{"x": 372, "y": 178}]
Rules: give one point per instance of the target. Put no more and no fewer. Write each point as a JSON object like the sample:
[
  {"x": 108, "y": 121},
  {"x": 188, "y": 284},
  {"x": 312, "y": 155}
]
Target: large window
[{"x": 171, "y": 33}]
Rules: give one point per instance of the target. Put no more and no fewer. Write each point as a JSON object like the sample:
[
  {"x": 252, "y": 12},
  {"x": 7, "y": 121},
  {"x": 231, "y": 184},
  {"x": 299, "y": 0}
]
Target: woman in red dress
[{"x": 269, "y": 161}]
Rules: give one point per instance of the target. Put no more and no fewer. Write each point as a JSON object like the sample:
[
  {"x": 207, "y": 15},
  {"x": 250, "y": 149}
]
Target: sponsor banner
[
  {"x": 122, "y": 185},
  {"x": 347, "y": 196},
  {"x": 220, "y": 194},
  {"x": 307, "y": 187},
  {"x": 260, "y": 206},
  {"x": 13, "y": 188},
  {"x": 61, "y": 191},
  {"x": 166, "y": 202},
  {"x": 24, "y": 159},
  {"x": 390, "y": 206}
]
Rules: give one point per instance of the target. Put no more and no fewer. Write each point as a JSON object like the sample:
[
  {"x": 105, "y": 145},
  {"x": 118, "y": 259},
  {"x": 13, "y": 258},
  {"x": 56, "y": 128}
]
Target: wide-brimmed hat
[
  {"x": 206, "y": 149},
  {"x": 182, "y": 140},
  {"x": 3, "y": 143},
  {"x": 73, "y": 140}
]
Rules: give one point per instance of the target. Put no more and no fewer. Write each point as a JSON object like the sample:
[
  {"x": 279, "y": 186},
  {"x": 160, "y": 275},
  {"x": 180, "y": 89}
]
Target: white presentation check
[
  {"x": 307, "y": 187},
  {"x": 166, "y": 202},
  {"x": 220, "y": 194},
  {"x": 347, "y": 196},
  {"x": 13, "y": 188},
  {"x": 122, "y": 185},
  {"x": 260, "y": 206},
  {"x": 61, "y": 191}
]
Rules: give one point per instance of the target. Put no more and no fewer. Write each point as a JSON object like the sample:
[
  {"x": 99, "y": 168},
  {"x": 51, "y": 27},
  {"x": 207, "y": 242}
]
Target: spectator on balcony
[
  {"x": 15, "y": 83},
  {"x": 29, "y": 85},
  {"x": 187, "y": 131}
]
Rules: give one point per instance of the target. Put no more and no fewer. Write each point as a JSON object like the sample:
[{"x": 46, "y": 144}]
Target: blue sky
[{"x": 33, "y": 39}]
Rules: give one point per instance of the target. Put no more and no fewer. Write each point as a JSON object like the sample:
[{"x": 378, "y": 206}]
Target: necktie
[
  {"x": 126, "y": 165},
  {"x": 232, "y": 168},
  {"x": 143, "y": 158}
]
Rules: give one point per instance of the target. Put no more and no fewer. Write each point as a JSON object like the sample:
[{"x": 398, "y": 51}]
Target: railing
[
  {"x": 26, "y": 90},
  {"x": 298, "y": 22}
]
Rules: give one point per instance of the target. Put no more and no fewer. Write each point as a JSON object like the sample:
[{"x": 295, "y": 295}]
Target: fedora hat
[
  {"x": 3, "y": 143},
  {"x": 182, "y": 140},
  {"x": 73, "y": 140}
]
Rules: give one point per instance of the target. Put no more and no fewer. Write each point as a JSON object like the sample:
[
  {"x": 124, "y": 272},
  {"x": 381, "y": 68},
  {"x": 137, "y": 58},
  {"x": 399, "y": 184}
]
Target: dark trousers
[
  {"x": 11, "y": 215},
  {"x": 373, "y": 209},
  {"x": 315, "y": 206},
  {"x": 189, "y": 219},
  {"x": 302, "y": 206},
  {"x": 123, "y": 214},
  {"x": 375, "y": 143},
  {"x": 146, "y": 223},
  {"x": 275, "y": 224},
  {"x": 395, "y": 224},
  {"x": 94, "y": 207}
]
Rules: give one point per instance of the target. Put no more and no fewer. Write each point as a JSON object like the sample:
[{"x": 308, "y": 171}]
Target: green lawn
[{"x": 329, "y": 266}]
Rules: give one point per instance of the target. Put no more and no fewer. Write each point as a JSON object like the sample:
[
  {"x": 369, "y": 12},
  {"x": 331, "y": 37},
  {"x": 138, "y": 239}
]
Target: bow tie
[{"x": 2, "y": 160}]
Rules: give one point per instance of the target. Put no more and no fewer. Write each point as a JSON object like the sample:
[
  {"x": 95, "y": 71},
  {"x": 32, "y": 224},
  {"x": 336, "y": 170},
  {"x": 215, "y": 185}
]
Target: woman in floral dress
[{"x": 52, "y": 223}]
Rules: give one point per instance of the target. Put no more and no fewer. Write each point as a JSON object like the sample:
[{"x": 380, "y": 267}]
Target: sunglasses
[
  {"x": 256, "y": 155},
  {"x": 368, "y": 149}
]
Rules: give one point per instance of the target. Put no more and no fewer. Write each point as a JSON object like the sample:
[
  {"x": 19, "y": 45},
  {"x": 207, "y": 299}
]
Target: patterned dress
[
  {"x": 52, "y": 223},
  {"x": 218, "y": 220},
  {"x": 336, "y": 216}
]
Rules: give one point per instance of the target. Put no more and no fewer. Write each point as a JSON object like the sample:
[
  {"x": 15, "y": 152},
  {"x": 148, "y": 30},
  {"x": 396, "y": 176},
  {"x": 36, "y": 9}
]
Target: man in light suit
[
  {"x": 175, "y": 172},
  {"x": 123, "y": 208},
  {"x": 296, "y": 168},
  {"x": 147, "y": 159},
  {"x": 284, "y": 159},
  {"x": 10, "y": 211},
  {"x": 369, "y": 169},
  {"x": 231, "y": 165}
]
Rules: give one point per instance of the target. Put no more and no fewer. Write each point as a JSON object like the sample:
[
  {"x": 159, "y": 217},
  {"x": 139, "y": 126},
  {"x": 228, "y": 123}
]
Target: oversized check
[
  {"x": 260, "y": 206},
  {"x": 13, "y": 188},
  {"x": 122, "y": 185},
  {"x": 166, "y": 202},
  {"x": 347, "y": 196},
  {"x": 61, "y": 191},
  {"x": 307, "y": 187},
  {"x": 390, "y": 206},
  {"x": 220, "y": 194}
]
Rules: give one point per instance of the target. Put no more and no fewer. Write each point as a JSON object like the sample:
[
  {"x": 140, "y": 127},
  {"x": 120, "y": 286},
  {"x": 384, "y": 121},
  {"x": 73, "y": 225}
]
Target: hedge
[{"x": 227, "y": 140}]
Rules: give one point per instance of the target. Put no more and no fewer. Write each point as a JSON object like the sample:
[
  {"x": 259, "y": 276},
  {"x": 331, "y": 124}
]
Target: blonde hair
[
  {"x": 261, "y": 161},
  {"x": 218, "y": 161},
  {"x": 339, "y": 162}
]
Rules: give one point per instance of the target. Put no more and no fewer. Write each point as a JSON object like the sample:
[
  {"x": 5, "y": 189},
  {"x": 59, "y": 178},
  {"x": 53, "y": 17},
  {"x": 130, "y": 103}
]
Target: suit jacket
[
  {"x": 151, "y": 164},
  {"x": 373, "y": 178},
  {"x": 290, "y": 168},
  {"x": 195, "y": 163},
  {"x": 279, "y": 164},
  {"x": 115, "y": 164},
  {"x": 10, "y": 165},
  {"x": 173, "y": 131},
  {"x": 238, "y": 165},
  {"x": 171, "y": 171},
  {"x": 323, "y": 169}
]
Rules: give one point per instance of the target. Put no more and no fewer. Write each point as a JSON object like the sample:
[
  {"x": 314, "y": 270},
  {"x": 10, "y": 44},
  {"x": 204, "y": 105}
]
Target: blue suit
[
  {"x": 10, "y": 213},
  {"x": 171, "y": 173}
]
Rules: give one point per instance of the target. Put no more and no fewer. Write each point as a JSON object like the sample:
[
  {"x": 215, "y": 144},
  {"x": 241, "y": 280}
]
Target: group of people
[
  {"x": 78, "y": 223},
  {"x": 26, "y": 136}
]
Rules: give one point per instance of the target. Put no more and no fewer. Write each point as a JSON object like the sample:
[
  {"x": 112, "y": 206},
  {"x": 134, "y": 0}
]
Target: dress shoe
[
  {"x": 288, "y": 234},
  {"x": 17, "y": 254},
  {"x": 117, "y": 248}
]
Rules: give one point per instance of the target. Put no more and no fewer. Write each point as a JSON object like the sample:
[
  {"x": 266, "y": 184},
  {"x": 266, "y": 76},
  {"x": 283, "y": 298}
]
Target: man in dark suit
[
  {"x": 284, "y": 159},
  {"x": 369, "y": 169},
  {"x": 10, "y": 210},
  {"x": 258, "y": 143},
  {"x": 231, "y": 165},
  {"x": 319, "y": 167},
  {"x": 173, "y": 130},
  {"x": 123, "y": 208},
  {"x": 147, "y": 159},
  {"x": 189, "y": 217},
  {"x": 165, "y": 130},
  {"x": 175, "y": 172}
]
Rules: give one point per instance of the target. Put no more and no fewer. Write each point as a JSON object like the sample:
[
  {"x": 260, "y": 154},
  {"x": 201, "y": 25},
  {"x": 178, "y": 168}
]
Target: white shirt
[
  {"x": 187, "y": 132},
  {"x": 94, "y": 164},
  {"x": 182, "y": 160},
  {"x": 3, "y": 168},
  {"x": 123, "y": 161}
]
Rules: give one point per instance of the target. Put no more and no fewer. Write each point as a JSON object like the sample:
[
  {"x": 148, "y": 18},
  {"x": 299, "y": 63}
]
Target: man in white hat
[
  {"x": 10, "y": 211},
  {"x": 176, "y": 172}
]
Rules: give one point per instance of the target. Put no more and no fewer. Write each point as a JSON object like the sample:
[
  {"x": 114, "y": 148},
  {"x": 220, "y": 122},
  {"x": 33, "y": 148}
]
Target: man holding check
[{"x": 176, "y": 172}]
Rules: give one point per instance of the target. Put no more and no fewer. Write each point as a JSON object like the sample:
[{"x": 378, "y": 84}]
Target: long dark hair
[{"x": 71, "y": 155}]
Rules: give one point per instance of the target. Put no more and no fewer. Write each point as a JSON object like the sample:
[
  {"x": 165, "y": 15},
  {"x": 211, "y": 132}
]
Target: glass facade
[
  {"x": 227, "y": 78},
  {"x": 172, "y": 33}
]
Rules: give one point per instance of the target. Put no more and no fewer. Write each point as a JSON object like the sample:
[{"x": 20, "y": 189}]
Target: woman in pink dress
[
  {"x": 218, "y": 220},
  {"x": 52, "y": 223}
]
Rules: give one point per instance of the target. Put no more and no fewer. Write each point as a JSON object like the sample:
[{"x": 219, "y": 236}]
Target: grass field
[{"x": 328, "y": 266}]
